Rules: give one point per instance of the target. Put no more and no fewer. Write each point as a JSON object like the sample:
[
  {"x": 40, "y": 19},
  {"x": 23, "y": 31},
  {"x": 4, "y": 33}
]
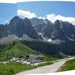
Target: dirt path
[{"x": 46, "y": 69}]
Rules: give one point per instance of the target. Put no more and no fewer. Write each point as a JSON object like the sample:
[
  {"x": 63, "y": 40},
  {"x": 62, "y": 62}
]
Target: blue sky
[
  {"x": 7, "y": 11},
  {"x": 43, "y": 9}
]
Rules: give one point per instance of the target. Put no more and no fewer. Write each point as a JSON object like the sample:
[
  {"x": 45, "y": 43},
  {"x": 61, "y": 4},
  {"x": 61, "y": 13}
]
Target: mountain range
[
  {"x": 58, "y": 30},
  {"x": 37, "y": 29},
  {"x": 40, "y": 35}
]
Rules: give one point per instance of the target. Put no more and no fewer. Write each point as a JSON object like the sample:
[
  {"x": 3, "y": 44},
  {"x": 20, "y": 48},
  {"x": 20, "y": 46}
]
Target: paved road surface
[{"x": 46, "y": 69}]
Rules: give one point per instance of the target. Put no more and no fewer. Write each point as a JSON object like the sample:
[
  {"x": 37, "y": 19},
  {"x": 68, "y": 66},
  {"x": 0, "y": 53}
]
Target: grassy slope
[
  {"x": 69, "y": 65},
  {"x": 15, "y": 50},
  {"x": 19, "y": 49},
  {"x": 14, "y": 67}
]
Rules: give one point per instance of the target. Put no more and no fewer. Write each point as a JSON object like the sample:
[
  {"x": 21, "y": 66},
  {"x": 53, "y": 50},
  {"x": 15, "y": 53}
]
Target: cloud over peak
[
  {"x": 27, "y": 14},
  {"x": 51, "y": 17}
]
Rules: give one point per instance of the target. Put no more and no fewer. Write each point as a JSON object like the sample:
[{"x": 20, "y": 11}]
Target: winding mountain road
[{"x": 46, "y": 69}]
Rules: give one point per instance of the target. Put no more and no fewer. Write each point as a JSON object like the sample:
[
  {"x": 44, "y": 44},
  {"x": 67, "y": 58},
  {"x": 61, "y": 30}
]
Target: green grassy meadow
[
  {"x": 15, "y": 67},
  {"x": 15, "y": 49},
  {"x": 69, "y": 65}
]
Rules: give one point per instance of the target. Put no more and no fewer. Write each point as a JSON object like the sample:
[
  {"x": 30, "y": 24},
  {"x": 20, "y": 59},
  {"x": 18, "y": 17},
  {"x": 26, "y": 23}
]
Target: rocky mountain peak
[{"x": 38, "y": 28}]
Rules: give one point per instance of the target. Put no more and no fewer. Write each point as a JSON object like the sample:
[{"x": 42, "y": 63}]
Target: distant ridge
[{"x": 37, "y": 29}]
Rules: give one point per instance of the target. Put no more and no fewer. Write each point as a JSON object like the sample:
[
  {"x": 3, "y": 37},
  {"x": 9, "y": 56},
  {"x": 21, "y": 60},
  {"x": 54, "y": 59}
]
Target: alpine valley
[{"x": 56, "y": 38}]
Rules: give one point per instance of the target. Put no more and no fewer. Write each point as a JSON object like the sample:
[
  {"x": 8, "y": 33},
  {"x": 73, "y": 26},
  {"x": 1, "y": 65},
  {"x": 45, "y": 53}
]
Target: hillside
[
  {"x": 67, "y": 47},
  {"x": 59, "y": 36},
  {"x": 20, "y": 48},
  {"x": 69, "y": 65},
  {"x": 15, "y": 49}
]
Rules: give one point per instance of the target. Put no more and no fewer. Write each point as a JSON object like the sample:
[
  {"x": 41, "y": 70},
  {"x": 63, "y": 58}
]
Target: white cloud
[
  {"x": 53, "y": 17},
  {"x": 6, "y": 21},
  {"x": 27, "y": 14},
  {"x": 41, "y": 17},
  {"x": 15, "y": 1}
]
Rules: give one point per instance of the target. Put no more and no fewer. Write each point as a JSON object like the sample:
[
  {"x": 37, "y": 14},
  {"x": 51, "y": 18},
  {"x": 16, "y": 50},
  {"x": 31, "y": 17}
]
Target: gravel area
[{"x": 46, "y": 69}]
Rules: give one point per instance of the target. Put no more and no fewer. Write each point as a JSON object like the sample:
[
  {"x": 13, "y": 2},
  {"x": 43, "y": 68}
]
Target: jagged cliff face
[
  {"x": 19, "y": 27},
  {"x": 38, "y": 29},
  {"x": 3, "y": 30},
  {"x": 58, "y": 30}
]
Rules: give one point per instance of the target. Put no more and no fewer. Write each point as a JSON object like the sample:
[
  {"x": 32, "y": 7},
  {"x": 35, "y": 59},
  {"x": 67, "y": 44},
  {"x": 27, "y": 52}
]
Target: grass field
[
  {"x": 14, "y": 67},
  {"x": 69, "y": 65},
  {"x": 16, "y": 49}
]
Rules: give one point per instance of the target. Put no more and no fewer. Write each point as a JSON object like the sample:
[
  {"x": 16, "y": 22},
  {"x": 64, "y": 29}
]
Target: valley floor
[{"x": 46, "y": 69}]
